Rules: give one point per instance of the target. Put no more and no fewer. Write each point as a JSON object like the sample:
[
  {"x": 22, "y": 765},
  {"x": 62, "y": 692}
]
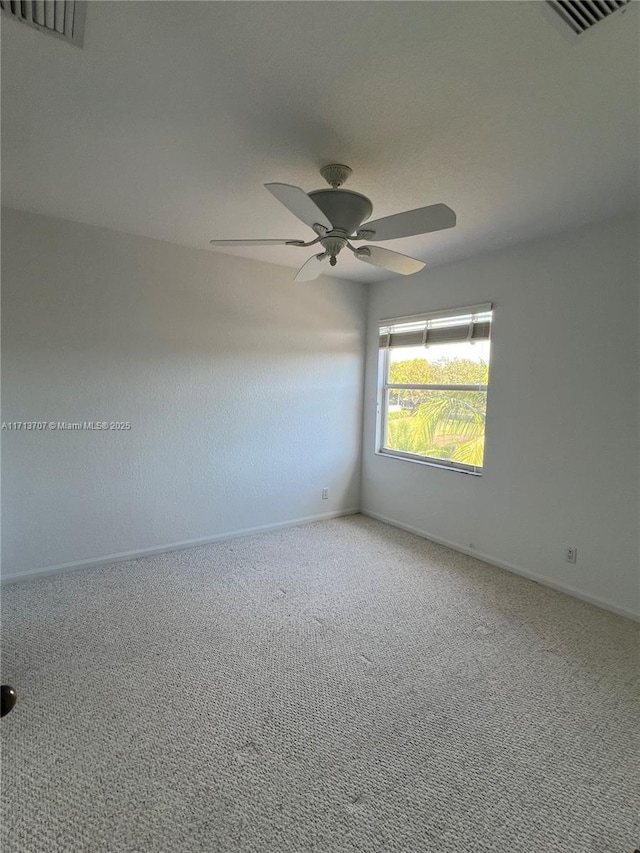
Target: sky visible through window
[{"x": 478, "y": 352}]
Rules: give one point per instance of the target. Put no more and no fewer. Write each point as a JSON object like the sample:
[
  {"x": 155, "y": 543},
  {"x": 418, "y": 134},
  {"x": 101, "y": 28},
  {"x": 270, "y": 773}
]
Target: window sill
[{"x": 430, "y": 463}]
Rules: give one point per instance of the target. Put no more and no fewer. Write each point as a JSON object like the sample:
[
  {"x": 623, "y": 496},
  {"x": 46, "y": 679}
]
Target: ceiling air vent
[
  {"x": 581, "y": 15},
  {"x": 61, "y": 18}
]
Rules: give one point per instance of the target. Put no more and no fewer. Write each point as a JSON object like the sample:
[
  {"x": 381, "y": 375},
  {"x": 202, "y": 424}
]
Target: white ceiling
[{"x": 174, "y": 114}]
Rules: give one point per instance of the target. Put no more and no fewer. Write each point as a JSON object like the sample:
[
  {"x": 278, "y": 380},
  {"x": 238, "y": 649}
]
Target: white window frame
[{"x": 384, "y": 385}]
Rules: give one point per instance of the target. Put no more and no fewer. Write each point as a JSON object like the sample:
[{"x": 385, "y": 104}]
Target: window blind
[{"x": 472, "y": 323}]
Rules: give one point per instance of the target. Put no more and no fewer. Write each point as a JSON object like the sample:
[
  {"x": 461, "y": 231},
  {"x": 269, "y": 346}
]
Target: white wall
[
  {"x": 561, "y": 462},
  {"x": 243, "y": 389},
  {"x": 244, "y": 394}
]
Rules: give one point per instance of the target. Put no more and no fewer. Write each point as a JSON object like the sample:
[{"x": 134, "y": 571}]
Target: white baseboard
[
  {"x": 124, "y": 556},
  {"x": 509, "y": 567},
  {"x": 248, "y": 531}
]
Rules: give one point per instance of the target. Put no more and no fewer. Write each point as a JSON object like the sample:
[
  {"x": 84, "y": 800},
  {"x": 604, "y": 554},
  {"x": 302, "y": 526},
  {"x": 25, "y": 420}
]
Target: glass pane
[
  {"x": 438, "y": 424},
  {"x": 463, "y": 363}
]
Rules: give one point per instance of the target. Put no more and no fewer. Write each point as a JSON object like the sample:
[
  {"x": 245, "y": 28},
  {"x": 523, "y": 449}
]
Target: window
[{"x": 433, "y": 380}]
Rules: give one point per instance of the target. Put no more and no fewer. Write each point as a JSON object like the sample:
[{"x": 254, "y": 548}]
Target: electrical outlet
[
  {"x": 571, "y": 555},
  {"x": 325, "y": 494}
]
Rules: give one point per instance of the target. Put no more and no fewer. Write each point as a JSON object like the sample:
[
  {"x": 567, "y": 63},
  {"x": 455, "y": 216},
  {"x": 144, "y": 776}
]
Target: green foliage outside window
[{"x": 439, "y": 424}]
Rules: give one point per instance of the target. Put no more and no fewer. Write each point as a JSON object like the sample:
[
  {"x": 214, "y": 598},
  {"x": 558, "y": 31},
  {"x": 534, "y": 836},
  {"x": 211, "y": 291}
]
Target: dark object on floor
[{"x": 8, "y": 696}]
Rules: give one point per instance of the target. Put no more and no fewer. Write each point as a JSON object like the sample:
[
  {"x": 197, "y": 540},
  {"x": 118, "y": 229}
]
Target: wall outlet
[
  {"x": 571, "y": 555},
  {"x": 325, "y": 494}
]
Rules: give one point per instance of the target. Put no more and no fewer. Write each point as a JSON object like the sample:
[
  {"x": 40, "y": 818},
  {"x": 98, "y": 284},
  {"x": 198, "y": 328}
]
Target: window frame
[{"x": 384, "y": 386}]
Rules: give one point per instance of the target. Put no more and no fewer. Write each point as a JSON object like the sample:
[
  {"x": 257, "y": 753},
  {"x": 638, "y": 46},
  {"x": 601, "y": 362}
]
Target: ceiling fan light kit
[{"x": 336, "y": 215}]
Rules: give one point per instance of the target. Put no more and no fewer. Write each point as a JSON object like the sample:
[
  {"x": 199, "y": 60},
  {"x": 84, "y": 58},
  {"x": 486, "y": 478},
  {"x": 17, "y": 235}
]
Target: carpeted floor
[{"x": 338, "y": 687}]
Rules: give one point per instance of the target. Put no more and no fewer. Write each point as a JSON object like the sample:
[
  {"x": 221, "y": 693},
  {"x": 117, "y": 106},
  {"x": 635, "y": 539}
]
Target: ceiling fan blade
[
  {"x": 422, "y": 220},
  {"x": 310, "y": 269},
  {"x": 388, "y": 260},
  {"x": 299, "y": 203},
  {"x": 253, "y": 242}
]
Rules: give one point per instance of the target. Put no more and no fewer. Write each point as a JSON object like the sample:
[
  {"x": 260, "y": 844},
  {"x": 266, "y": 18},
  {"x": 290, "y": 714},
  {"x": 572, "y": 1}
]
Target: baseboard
[
  {"x": 124, "y": 556},
  {"x": 509, "y": 567}
]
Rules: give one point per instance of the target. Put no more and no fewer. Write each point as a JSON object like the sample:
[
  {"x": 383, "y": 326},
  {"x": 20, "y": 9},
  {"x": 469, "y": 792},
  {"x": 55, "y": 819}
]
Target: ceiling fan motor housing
[{"x": 345, "y": 209}]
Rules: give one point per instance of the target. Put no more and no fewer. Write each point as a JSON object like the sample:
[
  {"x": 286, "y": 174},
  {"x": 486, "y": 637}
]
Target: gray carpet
[{"x": 338, "y": 687}]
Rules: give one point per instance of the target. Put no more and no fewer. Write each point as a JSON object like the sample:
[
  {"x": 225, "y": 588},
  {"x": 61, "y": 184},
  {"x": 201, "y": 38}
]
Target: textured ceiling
[{"x": 174, "y": 114}]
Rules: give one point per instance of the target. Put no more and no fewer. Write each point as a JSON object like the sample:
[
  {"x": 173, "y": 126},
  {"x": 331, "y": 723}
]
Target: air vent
[
  {"x": 581, "y": 15},
  {"x": 61, "y": 18}
]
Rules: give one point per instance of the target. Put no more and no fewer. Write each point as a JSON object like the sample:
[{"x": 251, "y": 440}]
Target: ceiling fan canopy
[{"x": 336, "y": 216}]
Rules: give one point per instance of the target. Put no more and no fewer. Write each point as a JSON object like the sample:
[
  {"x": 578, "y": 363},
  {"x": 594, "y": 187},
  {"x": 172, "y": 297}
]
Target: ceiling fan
[{"x": 337, "y": 215}]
